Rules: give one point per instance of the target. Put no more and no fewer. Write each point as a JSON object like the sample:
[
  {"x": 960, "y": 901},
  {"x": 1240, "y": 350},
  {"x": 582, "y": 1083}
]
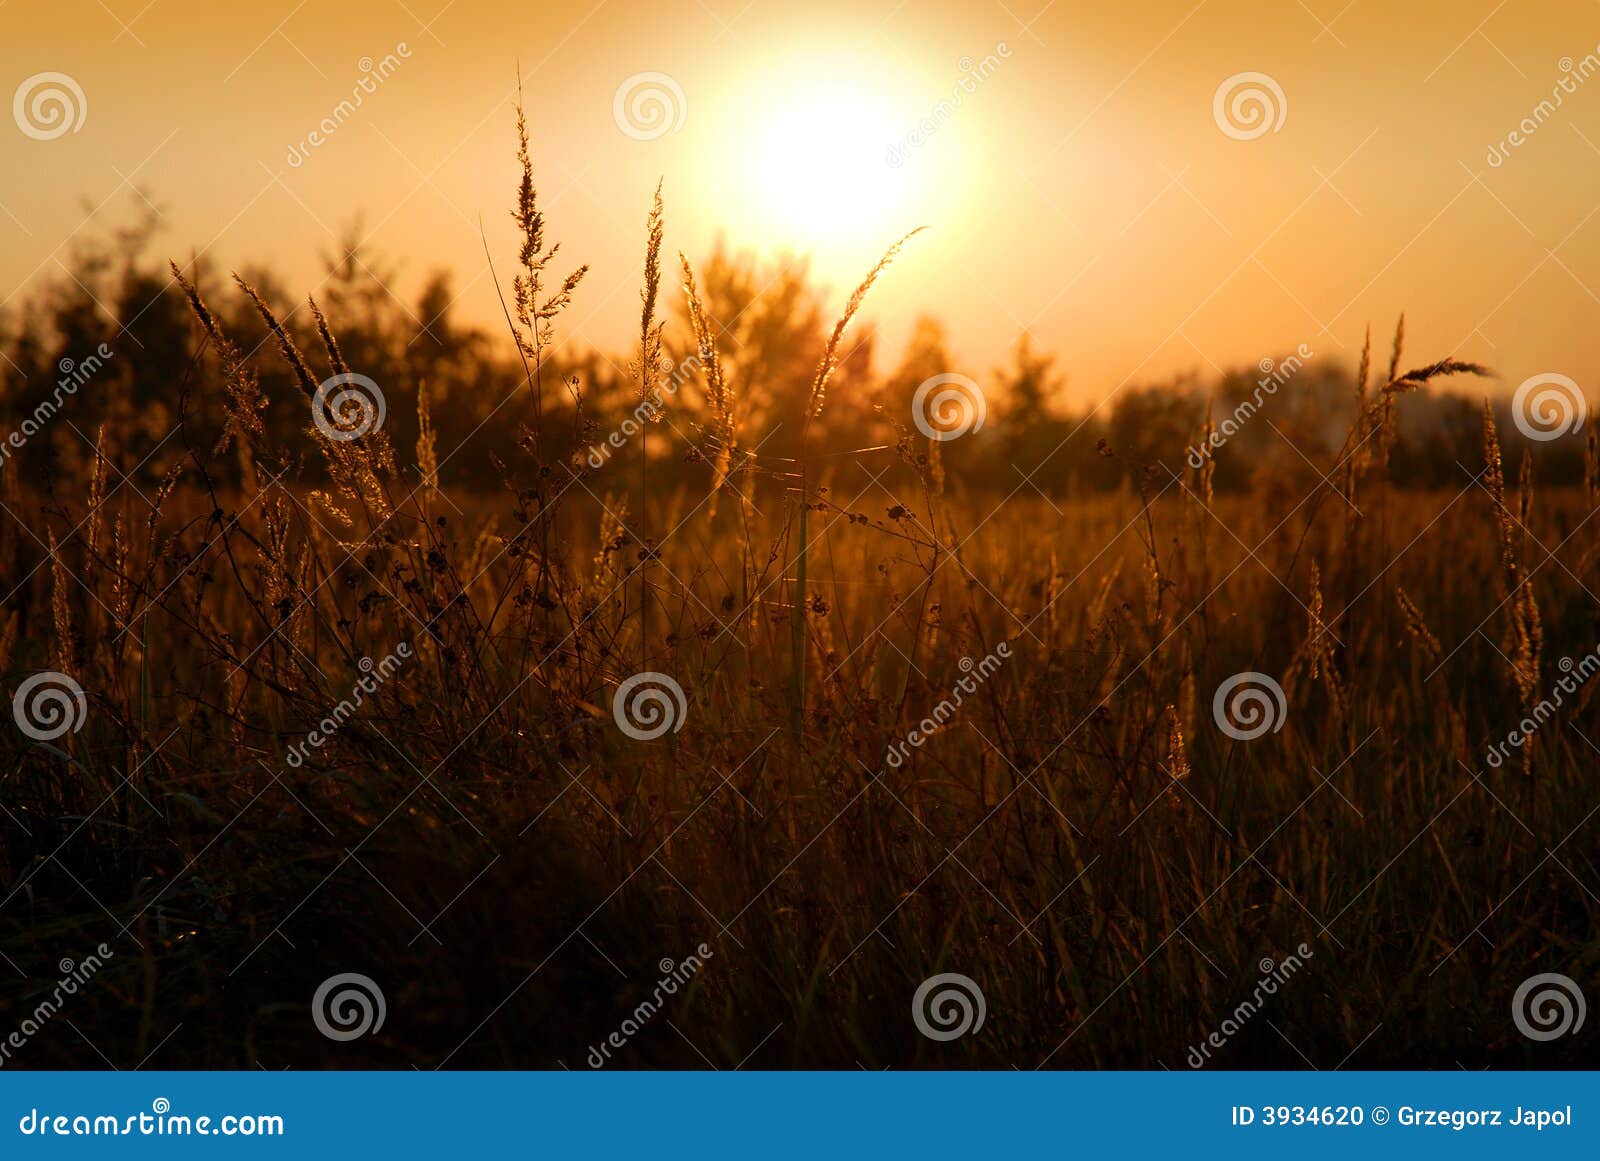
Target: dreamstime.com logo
[
  {"x": 648, "y": 705},
  {"x": 1548, "y": 1006},
  {"x": 973, "y": 74},
  {"x": 948, "y": 406},
  {"x": 373, "y": 674},
  {"x": 73, "y": 977},
  {"x": 160, "y": 1121},
  {"x": 948, "y": 1006},
  {"x": 348, "y": 1006},
  {"x": 1575, "y": 674},
  {"x": 648, "y": 411},
  {"x": 649, "y": 105},
  {"x": 1249, "y": 105},
  {"x": 1273, "y": 376},
  {"x": 74, "y": 374},
  {"x": 347, "y": 407},
  {"x": 1249, "y": 704},
  {"x": 373, "y": 74},
  {"x": 1548, "y": 406},
  {"x": 976, "y": 673},
  {"x": 1573, "y": 74},
  {"x": 49, "y": 105},
  {"x": 49, "y": 705},
  {"x": 1273, "y": 977},
  {"x": 673, "y": 977}
]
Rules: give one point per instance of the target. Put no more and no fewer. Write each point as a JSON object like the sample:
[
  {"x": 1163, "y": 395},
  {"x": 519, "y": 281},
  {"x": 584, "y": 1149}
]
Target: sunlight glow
[{"x": 821, "y": 164}]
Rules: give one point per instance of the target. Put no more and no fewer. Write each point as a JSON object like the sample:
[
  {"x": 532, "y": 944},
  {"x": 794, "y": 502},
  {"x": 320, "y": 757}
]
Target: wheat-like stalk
[{"x": 830, "y": 353}]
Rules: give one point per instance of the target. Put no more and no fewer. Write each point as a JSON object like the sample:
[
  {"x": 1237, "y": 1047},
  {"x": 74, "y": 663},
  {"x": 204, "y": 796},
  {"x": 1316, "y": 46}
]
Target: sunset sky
[{"x": 1082, "y": 190}]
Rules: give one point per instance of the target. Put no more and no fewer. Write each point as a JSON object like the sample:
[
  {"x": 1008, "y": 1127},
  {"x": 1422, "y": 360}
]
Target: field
[{"x": 711, "y": 755}]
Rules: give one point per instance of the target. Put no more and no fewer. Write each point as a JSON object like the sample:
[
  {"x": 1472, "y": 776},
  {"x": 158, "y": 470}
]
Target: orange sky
[{"x": 1083, "y": 189}]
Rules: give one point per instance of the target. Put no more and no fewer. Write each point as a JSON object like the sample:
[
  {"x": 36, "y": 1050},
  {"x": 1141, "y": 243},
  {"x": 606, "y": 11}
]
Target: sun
[
  {"x": 821, "y": 163},
  {"x": 826, "y": 155}
]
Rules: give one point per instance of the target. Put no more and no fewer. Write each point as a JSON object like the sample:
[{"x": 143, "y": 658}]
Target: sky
[{"x": 1081, "y": 168}]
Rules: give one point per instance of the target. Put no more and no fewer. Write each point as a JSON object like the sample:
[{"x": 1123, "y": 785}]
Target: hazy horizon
[{"x": 1078, "y": 186}]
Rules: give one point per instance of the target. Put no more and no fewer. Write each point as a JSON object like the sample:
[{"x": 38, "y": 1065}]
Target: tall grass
[{"x": 1082, "y": 839}]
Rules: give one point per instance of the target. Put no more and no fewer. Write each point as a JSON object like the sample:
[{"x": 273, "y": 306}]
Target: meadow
[{"x": 363, "y": 695}]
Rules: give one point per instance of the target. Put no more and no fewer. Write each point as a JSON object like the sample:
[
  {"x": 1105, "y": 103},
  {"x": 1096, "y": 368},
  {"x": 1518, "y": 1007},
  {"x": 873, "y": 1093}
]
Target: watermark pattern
[
  {"x": 947, "y": 707},
  {"x": 1548, "y": 406},
  {"x": 1273, "y": 376},
  {"x": 648, "y": 411},
  {"x": 1585, "y": 668},
  {"x": 49, "y": 705},
  {"x": 649, "y": 704},
  {"x": 1249, "y": 704},
  {"x": 348, "y": 1006},
  {"x": 1573, "y": 74},
  {"x": 73, "y": 976},
  {"x": 347, "y": 407},
  {"x": 49, "y": 105},
  {"x": 948, "y": 1006},
  {"x": 1548, "y": 1006},
  {"x": 1273, "y": 976},
  {"x": 1249, "y": 105},
  {"x": 973, "y": 74},
  {"x": 74, "y": 374},
  {"x": 373, "y": 675},
  {"x": 649, "y": 105},
  {"x": 373, "y": 74},
  {"x": 948, "y": 406},
  {"x": 673, "y": 977}
]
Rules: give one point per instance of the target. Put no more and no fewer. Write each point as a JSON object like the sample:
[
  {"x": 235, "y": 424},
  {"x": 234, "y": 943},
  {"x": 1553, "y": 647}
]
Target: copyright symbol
[{"x": 1380, "y": 1115}]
